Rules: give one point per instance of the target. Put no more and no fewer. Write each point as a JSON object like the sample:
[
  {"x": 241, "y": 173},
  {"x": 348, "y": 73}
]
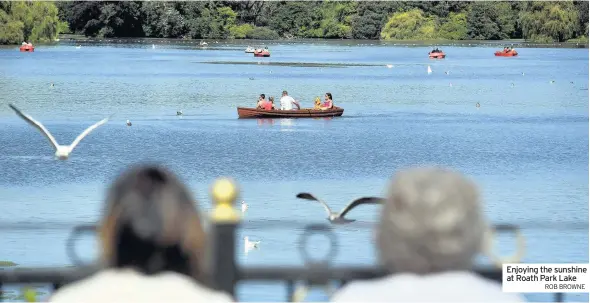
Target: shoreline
[{"x": 517, "y": 43}]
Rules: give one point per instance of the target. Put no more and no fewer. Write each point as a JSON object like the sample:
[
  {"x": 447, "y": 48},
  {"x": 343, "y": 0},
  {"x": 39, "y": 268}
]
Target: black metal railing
[{"x": 224, "y": 270}]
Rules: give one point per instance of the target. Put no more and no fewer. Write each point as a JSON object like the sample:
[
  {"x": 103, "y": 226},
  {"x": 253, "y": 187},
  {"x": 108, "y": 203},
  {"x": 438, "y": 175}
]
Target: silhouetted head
[
  {"x": 317, "y": 101},
  {"x": 328, "y": 96},
  {"x": 285, "y": 93},
  {"x": 262, "y": 96},
  {"x": 271, "y": 99},
  {"x": 431, "y": 222},
  {"x": 151, "y": 224}
]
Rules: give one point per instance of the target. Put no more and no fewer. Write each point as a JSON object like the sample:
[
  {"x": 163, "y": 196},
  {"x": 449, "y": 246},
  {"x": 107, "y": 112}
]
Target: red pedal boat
[
  {"x": 261, "y": 53},
  {"x": 436, "y": 55},
  {"x": 27, "y": 47},
  {"x": 510, "y": 53}
]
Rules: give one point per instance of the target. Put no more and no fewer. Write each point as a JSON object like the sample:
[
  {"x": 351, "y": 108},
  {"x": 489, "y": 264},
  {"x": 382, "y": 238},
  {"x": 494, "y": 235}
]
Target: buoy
[
  {"x": 179, "y": 113},
  {"x": 128, "y": 123},
  {"x": 477, "y": 105}
]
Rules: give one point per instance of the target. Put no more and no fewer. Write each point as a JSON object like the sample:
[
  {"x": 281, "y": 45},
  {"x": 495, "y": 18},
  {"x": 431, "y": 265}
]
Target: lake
[{"x": 526, "y": 145}]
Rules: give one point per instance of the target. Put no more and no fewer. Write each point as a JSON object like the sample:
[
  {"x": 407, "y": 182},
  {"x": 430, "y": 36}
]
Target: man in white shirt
[{"x": 287, "y": 102}]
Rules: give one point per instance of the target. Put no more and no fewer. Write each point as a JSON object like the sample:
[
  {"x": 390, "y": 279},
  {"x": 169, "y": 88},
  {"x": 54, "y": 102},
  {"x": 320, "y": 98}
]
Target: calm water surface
[{"x": 526, "y": 146}]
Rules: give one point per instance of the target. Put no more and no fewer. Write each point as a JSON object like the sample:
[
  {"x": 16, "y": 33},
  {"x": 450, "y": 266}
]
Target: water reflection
[
  {"x": 286, "y": 124},
  {"x": 262, "y": 122}
]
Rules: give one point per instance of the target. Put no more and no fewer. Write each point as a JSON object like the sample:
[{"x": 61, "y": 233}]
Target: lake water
[{"x": 526, "y": 145}]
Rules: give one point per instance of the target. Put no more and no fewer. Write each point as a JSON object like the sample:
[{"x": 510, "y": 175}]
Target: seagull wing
[
  {"x": 36, "y": 124},
  {"x": 363, "y": 200},
  {"x": 308, "y": 196},
  {"x": 87, "y": 131}
]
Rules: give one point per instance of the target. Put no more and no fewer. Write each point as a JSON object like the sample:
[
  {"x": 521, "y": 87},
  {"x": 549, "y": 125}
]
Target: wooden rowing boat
[{"x": 245, "y": 112}]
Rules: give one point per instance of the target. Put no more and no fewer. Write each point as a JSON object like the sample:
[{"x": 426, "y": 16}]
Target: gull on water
[
  {"x": 244, "y": 207},
  {"x": 249, "y": 245},
  {"x": 338, "y": 218},
  {"x": 128, "y": 123},
  {"x": 62, "y": 152},
  {"x": 179, "y": 112}
]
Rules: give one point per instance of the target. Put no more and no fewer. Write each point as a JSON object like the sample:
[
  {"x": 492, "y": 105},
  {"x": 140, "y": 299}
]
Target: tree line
[{"x": 536, "y": 21}]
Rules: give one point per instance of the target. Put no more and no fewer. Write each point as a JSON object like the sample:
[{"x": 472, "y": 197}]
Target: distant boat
[
  {"x": 249, "y": 49},
  {"x": 508, "y": 53},
  {"x": 203, "y": 43},
  {"x": 261, "y": 53},
  {"x": 27, "y": 47},
  {"x": 436, "y": 54},
  {"x": 429, "y": 70}
]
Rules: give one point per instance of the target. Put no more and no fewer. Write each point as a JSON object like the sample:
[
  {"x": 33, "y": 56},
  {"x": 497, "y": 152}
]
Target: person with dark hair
[
  {"x": 271, "y": 104},
  {"x": 328, "y": 104},
  {"x": 152, "y": 245},
  {"x": 261, "y": 101}
]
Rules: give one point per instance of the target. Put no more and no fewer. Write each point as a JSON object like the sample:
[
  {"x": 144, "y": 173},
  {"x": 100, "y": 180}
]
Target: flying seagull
[
  {"x": 62, "y": 152},
  {"x": 338, "y": 218}
]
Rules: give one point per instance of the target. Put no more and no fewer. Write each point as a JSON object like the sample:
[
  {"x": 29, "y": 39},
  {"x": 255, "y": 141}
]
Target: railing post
[{"x": 224, "y": 221}]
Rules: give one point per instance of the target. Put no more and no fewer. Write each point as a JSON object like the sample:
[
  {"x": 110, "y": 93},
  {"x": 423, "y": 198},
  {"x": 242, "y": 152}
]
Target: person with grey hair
[{"x": 431, "y": 228}]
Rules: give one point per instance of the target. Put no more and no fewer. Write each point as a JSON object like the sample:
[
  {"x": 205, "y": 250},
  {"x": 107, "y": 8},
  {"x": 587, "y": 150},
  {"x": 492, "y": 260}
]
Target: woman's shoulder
[{"x": 128, "y": 285}]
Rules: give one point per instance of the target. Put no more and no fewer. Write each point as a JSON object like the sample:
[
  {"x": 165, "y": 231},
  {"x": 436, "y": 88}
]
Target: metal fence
[{"x": 224, "y": 270}]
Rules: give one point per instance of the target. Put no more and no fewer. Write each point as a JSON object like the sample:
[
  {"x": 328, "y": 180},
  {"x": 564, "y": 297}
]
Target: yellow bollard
[
  {"x": 224, "y": 193},
  {"x": 224, "y": 219}
]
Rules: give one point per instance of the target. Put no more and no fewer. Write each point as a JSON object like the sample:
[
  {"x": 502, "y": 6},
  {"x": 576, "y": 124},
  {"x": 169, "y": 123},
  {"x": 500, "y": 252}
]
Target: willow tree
[
  {"x": 29, "y": 21},
  {"x": 410, "y": 25},
  {"x": 549, "y": 21}
]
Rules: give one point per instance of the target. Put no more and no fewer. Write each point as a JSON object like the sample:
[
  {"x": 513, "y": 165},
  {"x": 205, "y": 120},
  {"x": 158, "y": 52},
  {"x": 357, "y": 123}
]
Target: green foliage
[
  {"x": 240, "y": 31},
  {"x": 549, "y": 21},
  {"x": 408, "y": 25},
  {"x": 29, "y": 21},
  {"x": 369, "y": 19},
  {"x": 263, "y": 33},
  {"x": 454, "y": 28},
  {"x": 162, "y": 20},
  {"x": 491, "y": 21},
  {"x": 455, "y": 20}
]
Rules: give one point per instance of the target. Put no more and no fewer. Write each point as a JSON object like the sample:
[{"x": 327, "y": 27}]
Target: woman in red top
[
  {"x": 261, "y": 101},
  {"x": 329, "y": 103},
  {"x": 269, "y": 105}
]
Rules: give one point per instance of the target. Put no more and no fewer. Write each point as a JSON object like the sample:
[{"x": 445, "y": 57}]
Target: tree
[
  {"x": 549, "y": 21},
  {"x": 455, "y": 28},
  {"x": 370, "y": 18},
  {"x": 413, "y": 24},
  {"x": 162, "y": 20},
  {"x": 490, "y": 21},
  {"x": 29, "y": 21}
]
